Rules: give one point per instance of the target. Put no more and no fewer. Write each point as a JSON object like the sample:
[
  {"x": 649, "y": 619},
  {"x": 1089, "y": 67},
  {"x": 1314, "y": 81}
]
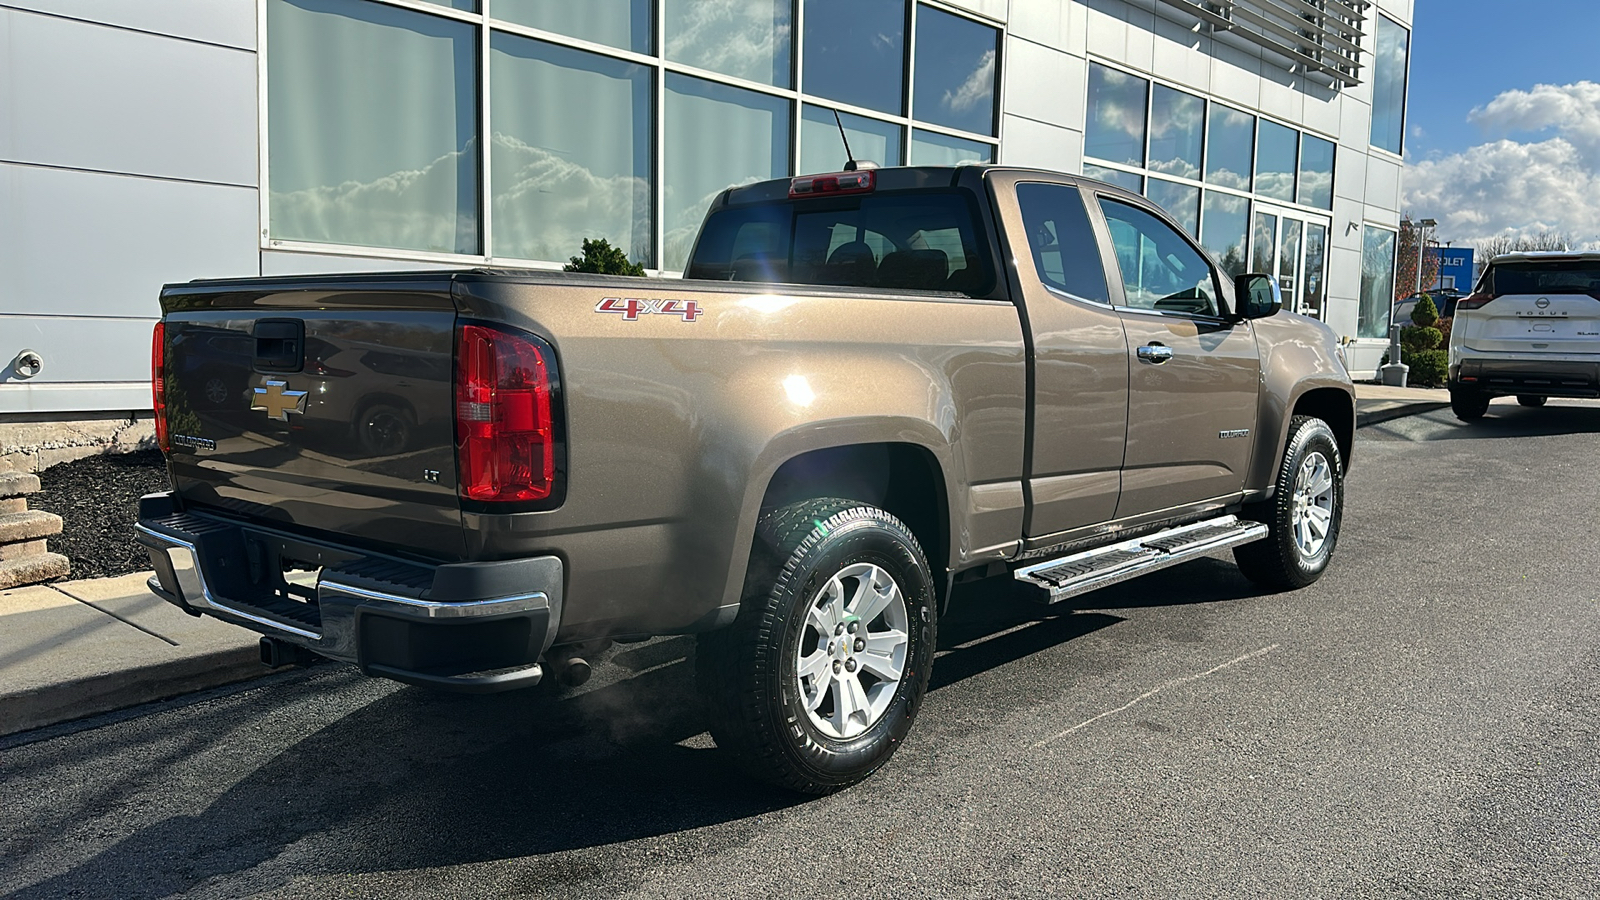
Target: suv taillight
[
  {"x": 1474, "y": 300},
  {"x": 158, "y": 385},
  {"x": 505, "y": 420}
]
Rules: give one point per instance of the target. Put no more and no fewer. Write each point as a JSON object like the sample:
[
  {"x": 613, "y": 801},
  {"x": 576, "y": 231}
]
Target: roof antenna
[{"x": 851, "y": 164}]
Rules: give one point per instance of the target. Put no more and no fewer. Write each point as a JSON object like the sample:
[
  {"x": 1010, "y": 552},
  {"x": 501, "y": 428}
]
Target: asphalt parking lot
[{"x": 1420, "y": 723}]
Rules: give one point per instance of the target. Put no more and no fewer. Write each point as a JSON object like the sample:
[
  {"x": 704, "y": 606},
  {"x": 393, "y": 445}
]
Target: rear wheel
[
  {"x": 1531, "y": 400},
  {"x": 1304, "y": 513},
  {"x": 1469, "y": 405},
  {"x": 820, "y": 676}
]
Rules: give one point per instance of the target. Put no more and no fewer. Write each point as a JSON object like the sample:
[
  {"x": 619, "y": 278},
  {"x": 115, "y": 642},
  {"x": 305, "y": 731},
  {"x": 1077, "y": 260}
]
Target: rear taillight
[
  {"x": 505, "y": 424},
  {"x": 1474, "y": 300},
  {"x": 158, "y": 385}
]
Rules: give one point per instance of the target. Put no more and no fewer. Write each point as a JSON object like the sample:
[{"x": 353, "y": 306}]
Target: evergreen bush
[{"x": 600, "y": 258}]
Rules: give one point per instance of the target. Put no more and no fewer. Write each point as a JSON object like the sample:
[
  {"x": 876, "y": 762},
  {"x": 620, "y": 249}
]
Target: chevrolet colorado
[{"x": 869, "y": 386}]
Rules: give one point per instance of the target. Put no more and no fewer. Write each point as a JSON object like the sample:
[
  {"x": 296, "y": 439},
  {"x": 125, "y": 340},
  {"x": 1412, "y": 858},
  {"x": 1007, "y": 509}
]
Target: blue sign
[{"x": 1455, "y": 268}]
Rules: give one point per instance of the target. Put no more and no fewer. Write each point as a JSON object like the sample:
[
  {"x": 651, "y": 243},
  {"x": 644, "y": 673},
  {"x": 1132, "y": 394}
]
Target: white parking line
[{"x": 1156, "y": 690}]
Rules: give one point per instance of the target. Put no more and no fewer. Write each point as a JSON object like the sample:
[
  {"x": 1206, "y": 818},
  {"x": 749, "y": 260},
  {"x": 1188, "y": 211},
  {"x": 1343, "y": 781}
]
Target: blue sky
[{"x": 1504, "y": 117}]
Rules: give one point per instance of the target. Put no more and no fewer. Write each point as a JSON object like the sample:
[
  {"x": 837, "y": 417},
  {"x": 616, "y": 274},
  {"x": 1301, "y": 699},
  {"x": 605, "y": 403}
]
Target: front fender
[{"x": 1299, "y": 362}]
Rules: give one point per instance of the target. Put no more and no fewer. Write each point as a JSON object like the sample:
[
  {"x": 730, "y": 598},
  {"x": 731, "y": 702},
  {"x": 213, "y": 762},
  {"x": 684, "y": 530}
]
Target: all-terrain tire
[
  {"x": 1532, "y": 400},
  {"x": 747, "y": 672},
  {"x": 1278, "y": 562},
  {"x": 1468, "y": 405}
]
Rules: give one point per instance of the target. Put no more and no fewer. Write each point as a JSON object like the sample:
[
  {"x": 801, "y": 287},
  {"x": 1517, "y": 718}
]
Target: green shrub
[
  {"x": 1428, "y": 367},
  {"x": 1425, "y": 313},
  {"x": 1419, "y": 337},
  {"x": 600, "y": 258}
]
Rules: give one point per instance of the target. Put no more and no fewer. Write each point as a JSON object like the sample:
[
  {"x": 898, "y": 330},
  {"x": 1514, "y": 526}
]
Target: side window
[
  {"x": 1065, "y": 253},
  {"x": 1160, "y": 270}
]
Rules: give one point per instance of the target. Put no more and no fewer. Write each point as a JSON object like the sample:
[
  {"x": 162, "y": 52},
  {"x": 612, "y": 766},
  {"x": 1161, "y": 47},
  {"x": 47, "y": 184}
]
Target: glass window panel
[
  {"x": 1065, "y": 252},
  {"x": 930, "y": 149},
  {"x": 1129, "y": 181},
  {"x": 1289, "y": 231},
  {"x": 821, "y": 150},
  {"x": 862, "y": 64},
  {"x": 1277, "y": 151},
  {"x": 1377, "y": 282},
  {"x": 570, "y": 153},
  {"x": 463, "y": 5},
  {"x": 957, "y": 90},
  {"x": 1115, "y": 123},
  {"x": 1160, "y": 270},
  {"x": 1224, "y": 229},
  {"x": 1316, "y": 268},
  {"x": 619, "y": 23},
  {"x": 748, "y": 39},
  {"x": 1316, "y": 172},
  {"x": 1177, "y": 121},
  {"x": 1181, "y": 202},
  {"x": 752, "y": 144},
  {"x": 1389, "y": 85},
  {"x": 1263, "y": 243},
  {"x": 373, "y": 124},
  {"x": 1230, "y": 147}
]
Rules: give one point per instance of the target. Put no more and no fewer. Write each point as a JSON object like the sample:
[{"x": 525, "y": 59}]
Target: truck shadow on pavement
[
  {"x": 413, "y": 779},
  {"x": 1505, "y": 420}
]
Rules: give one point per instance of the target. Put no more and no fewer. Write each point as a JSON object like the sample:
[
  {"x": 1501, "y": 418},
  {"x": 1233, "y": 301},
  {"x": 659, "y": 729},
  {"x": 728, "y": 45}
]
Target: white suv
[{"x": 1531, "y": 329}]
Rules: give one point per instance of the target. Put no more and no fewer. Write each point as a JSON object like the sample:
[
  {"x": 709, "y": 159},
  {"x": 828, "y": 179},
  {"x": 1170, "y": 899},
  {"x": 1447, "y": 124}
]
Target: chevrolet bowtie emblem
[{"x": 277, "y": 402}]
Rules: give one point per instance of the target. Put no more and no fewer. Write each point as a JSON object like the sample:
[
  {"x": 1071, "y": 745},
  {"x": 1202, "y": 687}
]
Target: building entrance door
[{"x": 1293, "y": 246}]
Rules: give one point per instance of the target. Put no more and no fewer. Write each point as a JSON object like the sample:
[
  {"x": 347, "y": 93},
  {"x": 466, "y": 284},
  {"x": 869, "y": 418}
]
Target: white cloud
[
  {"x": 1519, "y": 187},
  {"x": 977, "y": 88}
]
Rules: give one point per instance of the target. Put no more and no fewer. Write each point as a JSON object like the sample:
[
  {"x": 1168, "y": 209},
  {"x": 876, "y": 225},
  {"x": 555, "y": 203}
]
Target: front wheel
[
  {"x": 1531, "y": 400},
  {"x": 1468, "y": 405},
  {"x": 819, "y": 678},
  {"x": 1304, "y": 514}
]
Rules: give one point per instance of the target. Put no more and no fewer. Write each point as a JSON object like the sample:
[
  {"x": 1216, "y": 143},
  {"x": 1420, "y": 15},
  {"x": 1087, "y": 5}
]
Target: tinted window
[
  {"x": 1575, "y": 277},
  {"x": 1316, "y": 172},
  {"x": 1160, "y": 270},
  {"x": 1390, "y": 50},
  {"x": 1230, "y": 140},
  {"x": 1131, "y": 181},
  {"x": 958, "y": 91},
  {"x": 748, "y": 39},
  {"x": 1277, "y": 154},
  {"x": 1114, "y": 129},
  {"x": 855, "y": 52},
  {"x": 1377, "y": 282},
  {"x": 620, "y": 23},
  {"x": 822, "y": 150},
  {"x": 1065, "y": 253},
  {"x": 1176, "y": 121},
  {"x": 1181, "y": 202},
  {"x": 931, "y": 149},
  {"x": 1223, "y": 227},
  {"x": 916, "y": 241}
]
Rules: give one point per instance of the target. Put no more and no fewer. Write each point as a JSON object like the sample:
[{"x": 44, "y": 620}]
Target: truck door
[
  {"x": 1079, "y": 400},
  {"x": 1195, "y": 373}
]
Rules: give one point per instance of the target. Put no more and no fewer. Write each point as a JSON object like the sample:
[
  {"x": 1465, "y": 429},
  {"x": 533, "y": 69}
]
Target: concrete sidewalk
[
  {"x": 77, "y": 648},
  {"x": 1376, "y": 403}
]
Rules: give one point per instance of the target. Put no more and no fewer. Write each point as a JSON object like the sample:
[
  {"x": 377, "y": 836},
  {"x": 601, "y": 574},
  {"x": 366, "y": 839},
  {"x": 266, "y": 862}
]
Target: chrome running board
[{"x": 1069, "y": 576}]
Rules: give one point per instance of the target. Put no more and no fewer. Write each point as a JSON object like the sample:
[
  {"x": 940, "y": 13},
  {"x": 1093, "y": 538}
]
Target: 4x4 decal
[{"x": 631, "y": 308}]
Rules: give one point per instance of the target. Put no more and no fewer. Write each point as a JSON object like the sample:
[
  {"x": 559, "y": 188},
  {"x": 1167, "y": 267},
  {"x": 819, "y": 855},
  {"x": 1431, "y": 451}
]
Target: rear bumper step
[
  {"x": 463, "y": 626},
  {"x": 1069, "y": 576}
]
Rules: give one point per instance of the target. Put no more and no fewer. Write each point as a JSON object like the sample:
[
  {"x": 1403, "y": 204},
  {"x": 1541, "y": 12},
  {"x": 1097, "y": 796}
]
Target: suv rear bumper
[
  {"x": 464, "y": 626},
  {"x": 1544, "y": 378}
]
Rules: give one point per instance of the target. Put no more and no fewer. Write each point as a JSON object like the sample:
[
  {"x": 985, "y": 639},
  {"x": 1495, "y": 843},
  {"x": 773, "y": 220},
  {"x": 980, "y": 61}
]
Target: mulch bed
[{"x": 98, "y": 500}]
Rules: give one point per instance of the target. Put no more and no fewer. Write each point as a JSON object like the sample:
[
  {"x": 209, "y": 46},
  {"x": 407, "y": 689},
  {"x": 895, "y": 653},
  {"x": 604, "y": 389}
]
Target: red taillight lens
[
  {"x": 843, "y": 183},
  {"x": 505, "y": 430},
  {"x": 158, "y": 385},
  {"x": 1474, "y": 300}
]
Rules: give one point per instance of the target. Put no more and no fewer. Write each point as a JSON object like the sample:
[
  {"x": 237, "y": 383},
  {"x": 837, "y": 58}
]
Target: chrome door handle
[{"x": 1155, "y": 353}]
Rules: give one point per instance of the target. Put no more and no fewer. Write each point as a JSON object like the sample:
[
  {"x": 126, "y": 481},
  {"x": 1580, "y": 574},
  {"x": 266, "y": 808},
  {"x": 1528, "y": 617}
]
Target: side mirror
[{"x": 1258, "y": 296}]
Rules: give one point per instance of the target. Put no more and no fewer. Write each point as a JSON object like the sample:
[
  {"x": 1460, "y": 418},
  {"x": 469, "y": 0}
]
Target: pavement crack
[{"x": 122, "y": 619}]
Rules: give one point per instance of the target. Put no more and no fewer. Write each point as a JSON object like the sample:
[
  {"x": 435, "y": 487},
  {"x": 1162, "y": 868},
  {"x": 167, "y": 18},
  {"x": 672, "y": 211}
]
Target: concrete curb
[
  {"x": 1379, "y": 416},
  {"x": 112, "y": 691}
]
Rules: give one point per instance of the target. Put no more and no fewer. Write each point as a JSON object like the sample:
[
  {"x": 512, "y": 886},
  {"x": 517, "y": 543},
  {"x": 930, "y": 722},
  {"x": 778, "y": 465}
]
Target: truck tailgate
[{"x": 321, "y": 404}]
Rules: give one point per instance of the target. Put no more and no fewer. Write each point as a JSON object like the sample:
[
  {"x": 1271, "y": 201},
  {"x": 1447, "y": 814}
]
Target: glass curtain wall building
[{"x": 270, "y": 137}]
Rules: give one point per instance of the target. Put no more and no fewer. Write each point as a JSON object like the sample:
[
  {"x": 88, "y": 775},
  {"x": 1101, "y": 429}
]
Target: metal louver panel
[{"x": 1317, "y": 37}]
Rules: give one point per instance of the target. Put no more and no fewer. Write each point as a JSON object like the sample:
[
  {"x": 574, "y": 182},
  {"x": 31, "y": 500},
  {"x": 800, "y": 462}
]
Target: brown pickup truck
[{"x": 870, "y": 386}]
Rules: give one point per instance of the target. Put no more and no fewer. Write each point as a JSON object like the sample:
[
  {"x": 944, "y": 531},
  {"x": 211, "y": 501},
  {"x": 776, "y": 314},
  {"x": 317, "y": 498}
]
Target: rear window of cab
[
  {"x": 1567, "y": 276},
  {"x": 926, "y": 240}
]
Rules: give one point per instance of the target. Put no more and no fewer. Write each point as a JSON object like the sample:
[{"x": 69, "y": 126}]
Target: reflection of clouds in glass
[
  {"x": 544, "y": 205},
  {"x": 427, "y": 209},
  {"x": 1222, "y": 229},
  {"x": 1179, "y": 167},
  {"x": 1116, "y": 116},
  {"x": 742, "y": 38},
  {"x": 684, "y": 217},
  {"x": 1231, "y": 135},
  {"x": 1377, "y": 282},
  {"x": 1229, "y": 179},
  {"x": 1389, "y": 84},
  {"x": 1176, "y": 120},
  {"x": 1316, "y": 189},
  {"x": 977, "y": 88},
  {"x": 1277, "y": 185}
]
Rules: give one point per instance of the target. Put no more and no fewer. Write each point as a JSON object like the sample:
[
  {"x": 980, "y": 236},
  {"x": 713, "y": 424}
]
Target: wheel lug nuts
[
  {"x": 837, "y": 665},
  {"x": 855, "y": 627},
  {"x": 861, "y": 644},
  {"x": 838, "y": 629},
  {"x": 850, "y": 665}
]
